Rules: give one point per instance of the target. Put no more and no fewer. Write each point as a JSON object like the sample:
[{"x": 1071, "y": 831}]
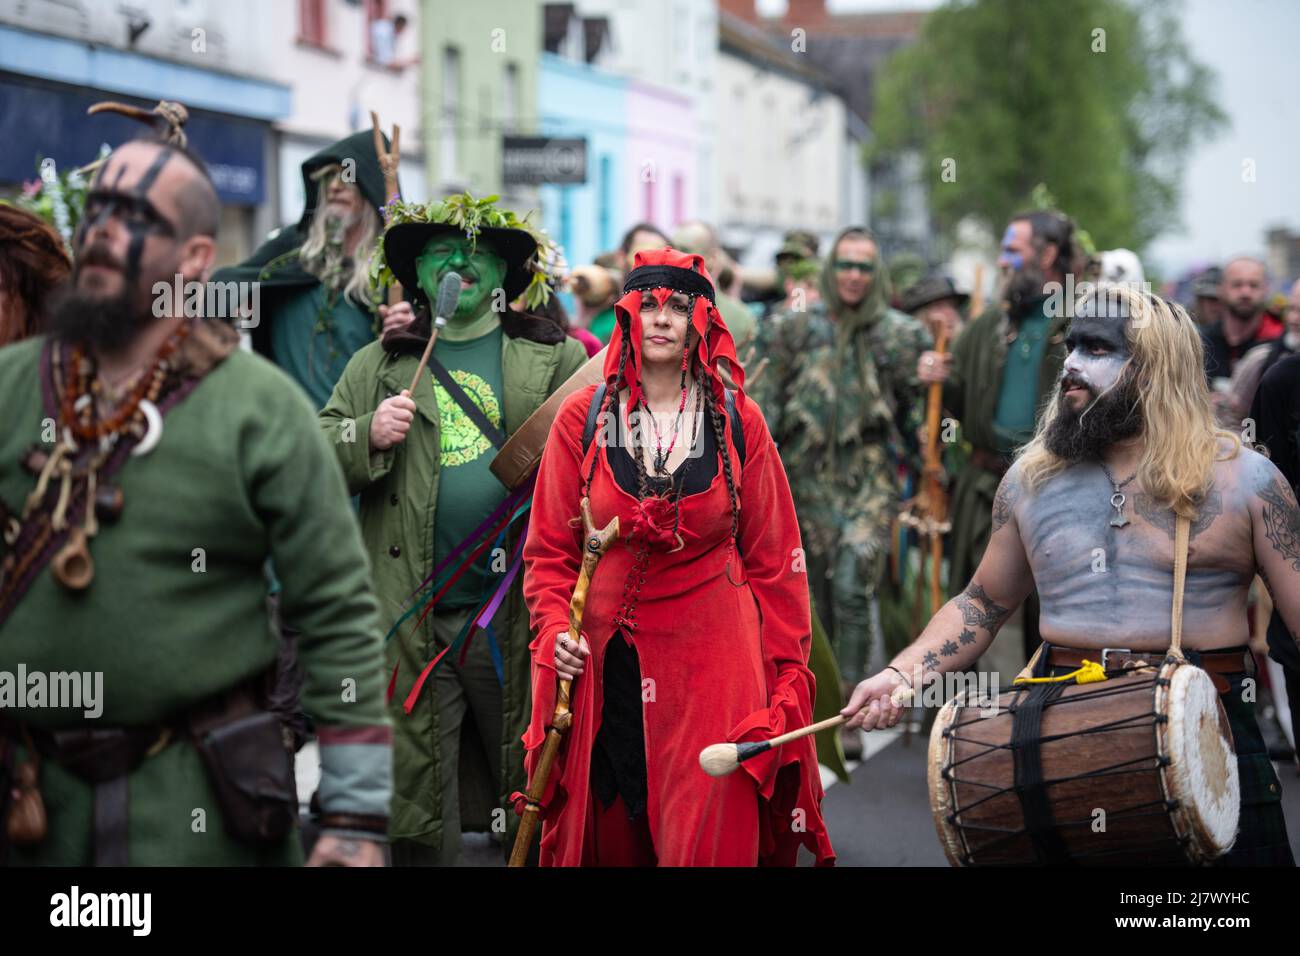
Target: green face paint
[{"x": 481, "y": 267}]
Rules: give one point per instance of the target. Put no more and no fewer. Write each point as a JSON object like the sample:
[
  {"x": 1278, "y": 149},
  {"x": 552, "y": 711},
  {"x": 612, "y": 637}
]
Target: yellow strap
[{"x": 1089, "y": 673}]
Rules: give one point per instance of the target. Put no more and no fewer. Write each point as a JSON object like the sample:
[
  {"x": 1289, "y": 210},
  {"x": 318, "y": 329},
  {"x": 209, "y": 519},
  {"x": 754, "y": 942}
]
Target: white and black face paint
[{"x": 1098, "y": 348}]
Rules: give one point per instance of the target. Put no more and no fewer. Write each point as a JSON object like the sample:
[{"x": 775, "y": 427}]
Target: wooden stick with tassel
[
  {"x": 596, "y": 543},
  {"x": 718, "y": 760}
]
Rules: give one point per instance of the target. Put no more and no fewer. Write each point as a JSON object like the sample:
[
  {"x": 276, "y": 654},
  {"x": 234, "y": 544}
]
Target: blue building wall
[{"x": 576, "y": 100}]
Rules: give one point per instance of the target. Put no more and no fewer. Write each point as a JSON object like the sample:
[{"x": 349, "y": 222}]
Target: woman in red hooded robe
[{"x": 696, "y": 626}]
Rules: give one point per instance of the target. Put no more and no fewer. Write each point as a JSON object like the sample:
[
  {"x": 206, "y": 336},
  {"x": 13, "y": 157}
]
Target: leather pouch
[{"x": 251, "y": 770}]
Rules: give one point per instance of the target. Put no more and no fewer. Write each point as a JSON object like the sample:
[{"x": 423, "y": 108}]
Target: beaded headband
[{"x": 681, "y": 280}]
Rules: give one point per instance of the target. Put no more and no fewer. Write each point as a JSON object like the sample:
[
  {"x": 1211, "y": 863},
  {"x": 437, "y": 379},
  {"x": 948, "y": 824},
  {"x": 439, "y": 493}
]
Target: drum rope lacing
[{"x": 1158, "y": 808}]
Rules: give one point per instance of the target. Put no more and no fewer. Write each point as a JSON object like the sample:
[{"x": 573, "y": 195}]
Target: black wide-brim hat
[
  {"x": 928, "y": 290},
  {"x": 404, "y": 242}
]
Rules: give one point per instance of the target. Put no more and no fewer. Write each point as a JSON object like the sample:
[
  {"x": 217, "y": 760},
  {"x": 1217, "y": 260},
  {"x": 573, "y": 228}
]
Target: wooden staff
[
  {"x": 597, "y": 543},
  {"x": 977, "y": 293},
  {"x": 718, "y": 760},
  {"x": 388, "y": 160},
  {"x": 934, "y": 494}
]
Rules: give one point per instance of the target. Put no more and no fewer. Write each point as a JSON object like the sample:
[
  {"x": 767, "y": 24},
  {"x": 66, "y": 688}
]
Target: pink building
[{"x": 660, "y": 168}]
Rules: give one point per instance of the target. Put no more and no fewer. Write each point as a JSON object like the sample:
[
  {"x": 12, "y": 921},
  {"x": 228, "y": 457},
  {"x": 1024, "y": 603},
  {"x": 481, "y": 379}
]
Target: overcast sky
[{"x": 1253, "y": 47}]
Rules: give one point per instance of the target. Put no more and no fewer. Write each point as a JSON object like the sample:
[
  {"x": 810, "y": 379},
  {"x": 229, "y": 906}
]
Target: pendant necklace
[
  {"x": 1117, "y": 499},
  {"x": 661, "y": 456}
]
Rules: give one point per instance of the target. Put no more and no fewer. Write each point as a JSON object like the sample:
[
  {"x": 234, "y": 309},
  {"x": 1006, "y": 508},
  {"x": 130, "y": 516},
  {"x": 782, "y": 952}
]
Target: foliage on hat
[{"x": 471, "y": 216}]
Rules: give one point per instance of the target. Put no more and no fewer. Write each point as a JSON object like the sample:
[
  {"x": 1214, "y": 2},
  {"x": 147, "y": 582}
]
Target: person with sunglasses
[{"x": 839, "y": 387}]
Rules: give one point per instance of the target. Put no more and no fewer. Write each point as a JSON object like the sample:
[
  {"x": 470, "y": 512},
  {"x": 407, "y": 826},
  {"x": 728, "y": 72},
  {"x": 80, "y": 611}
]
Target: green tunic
[
  {"x": 467, "y": 490},
  {"x": 177, "y": 610},
  {"x": 971, "y": 394}
]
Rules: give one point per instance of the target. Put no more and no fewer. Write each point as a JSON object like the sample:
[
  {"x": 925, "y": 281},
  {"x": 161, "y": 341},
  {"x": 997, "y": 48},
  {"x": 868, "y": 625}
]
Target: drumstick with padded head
[
  {"x": 718, "y": 760},
  {"x": 448, "y": 294}
]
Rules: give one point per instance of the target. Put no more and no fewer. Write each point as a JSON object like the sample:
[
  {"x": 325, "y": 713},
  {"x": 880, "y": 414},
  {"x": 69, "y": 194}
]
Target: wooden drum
[{"x": 1137, "y": 769}]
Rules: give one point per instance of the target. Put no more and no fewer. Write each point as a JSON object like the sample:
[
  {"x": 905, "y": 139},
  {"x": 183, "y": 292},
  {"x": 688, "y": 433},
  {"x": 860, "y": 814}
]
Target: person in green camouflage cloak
[{"x": 841, "y": 377}]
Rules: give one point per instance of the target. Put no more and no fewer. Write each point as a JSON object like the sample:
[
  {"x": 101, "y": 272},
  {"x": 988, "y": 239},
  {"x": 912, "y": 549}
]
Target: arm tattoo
[
  {"x": 949, "y": 648},
  {"x": 967, "y": 637},
  {"x": 1281, "y": 519},
  {"x": 990, "y": 617},
  {"x": 1004, "y": 502},
  {"x": 1164, "y": 518},
  {"x": 930, "y": 661}
]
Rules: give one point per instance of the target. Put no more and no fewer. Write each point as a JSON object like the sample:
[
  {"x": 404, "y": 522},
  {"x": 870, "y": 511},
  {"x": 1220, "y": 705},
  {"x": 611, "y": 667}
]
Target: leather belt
[
  {"x": 990, "y": 461},
  {"x": 1218, "y": 664},
  {"x": 104, "y": 757}
]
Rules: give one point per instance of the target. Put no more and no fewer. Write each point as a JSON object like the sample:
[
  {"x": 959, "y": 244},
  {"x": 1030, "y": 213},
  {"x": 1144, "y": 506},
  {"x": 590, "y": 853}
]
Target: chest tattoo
[{"x": 1164, "y": 518}]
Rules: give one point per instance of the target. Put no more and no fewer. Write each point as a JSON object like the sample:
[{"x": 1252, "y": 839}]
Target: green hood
[
  {"x": 850, "y": 320},
  {"x": 359, "y": 147},
  {"x": 869, "y": 310}
]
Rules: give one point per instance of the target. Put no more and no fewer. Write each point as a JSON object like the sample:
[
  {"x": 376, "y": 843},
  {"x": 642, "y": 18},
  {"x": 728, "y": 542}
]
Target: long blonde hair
[
  {"x": 1181, "y": 440},
  {"x": 317, "y": 257}
]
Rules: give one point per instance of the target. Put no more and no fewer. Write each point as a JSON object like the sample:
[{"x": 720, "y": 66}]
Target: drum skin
[{"x": 1123, "y": 787}]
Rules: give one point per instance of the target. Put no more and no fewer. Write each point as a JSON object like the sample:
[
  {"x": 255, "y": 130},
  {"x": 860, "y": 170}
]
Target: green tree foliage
[{"x": 1022, "y": 92}]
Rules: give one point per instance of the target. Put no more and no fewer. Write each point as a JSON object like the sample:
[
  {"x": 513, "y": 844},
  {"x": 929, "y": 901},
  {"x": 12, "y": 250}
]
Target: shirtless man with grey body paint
[{"x": 1099, "y": 546}]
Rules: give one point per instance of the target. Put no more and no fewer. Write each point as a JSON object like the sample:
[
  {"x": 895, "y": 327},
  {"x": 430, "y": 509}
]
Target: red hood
[{"x": 713, "y": 340}]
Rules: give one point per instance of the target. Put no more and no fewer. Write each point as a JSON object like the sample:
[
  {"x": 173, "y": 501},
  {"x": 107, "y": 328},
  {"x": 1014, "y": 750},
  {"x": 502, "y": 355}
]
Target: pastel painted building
[
  {"x": 577, "y": 100},
  {"x": 660, "y": 185},
  {"x": 479, "y": 84}
]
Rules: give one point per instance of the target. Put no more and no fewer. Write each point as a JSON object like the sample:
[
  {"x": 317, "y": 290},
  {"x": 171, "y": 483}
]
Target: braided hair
[
  {"x": 719, "y": 435},
  {"x": 638, "y": 435}
]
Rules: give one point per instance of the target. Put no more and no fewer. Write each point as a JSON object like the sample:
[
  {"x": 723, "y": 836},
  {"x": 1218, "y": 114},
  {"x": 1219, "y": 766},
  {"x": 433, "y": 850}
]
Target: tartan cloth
[{"x": 1261, "y": 832}]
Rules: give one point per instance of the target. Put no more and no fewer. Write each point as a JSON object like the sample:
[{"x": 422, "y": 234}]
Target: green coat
[
  {"x": 971, "y": 395},
  {"x": 399, "y": 495},
  {"x": 241, "y": 473}
]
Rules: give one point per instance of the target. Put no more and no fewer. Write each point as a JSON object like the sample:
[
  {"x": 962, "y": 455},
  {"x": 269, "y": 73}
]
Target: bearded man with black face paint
[
  {"x": 149, "y": 468},
  {"x": 998, "y": 374},
  {"x": 1127, "y": 443}
]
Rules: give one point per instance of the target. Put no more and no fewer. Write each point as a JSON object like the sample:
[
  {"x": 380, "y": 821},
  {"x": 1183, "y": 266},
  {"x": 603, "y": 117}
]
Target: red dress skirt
[{"x": 722, "y": 643}]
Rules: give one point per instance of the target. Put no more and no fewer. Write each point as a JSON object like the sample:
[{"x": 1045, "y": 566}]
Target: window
[
  {"x": 606, "y": 201},
  {"x": 679, "y": 199},
  {"x": 311, "y": 22},
  {"x": 510, "y": 98},
  {"x": 379, "y": 32},
  {"x": 448, "y": 146},
  {"x": 566, "y": 218},
  {"x": 649, "y": 200}
]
